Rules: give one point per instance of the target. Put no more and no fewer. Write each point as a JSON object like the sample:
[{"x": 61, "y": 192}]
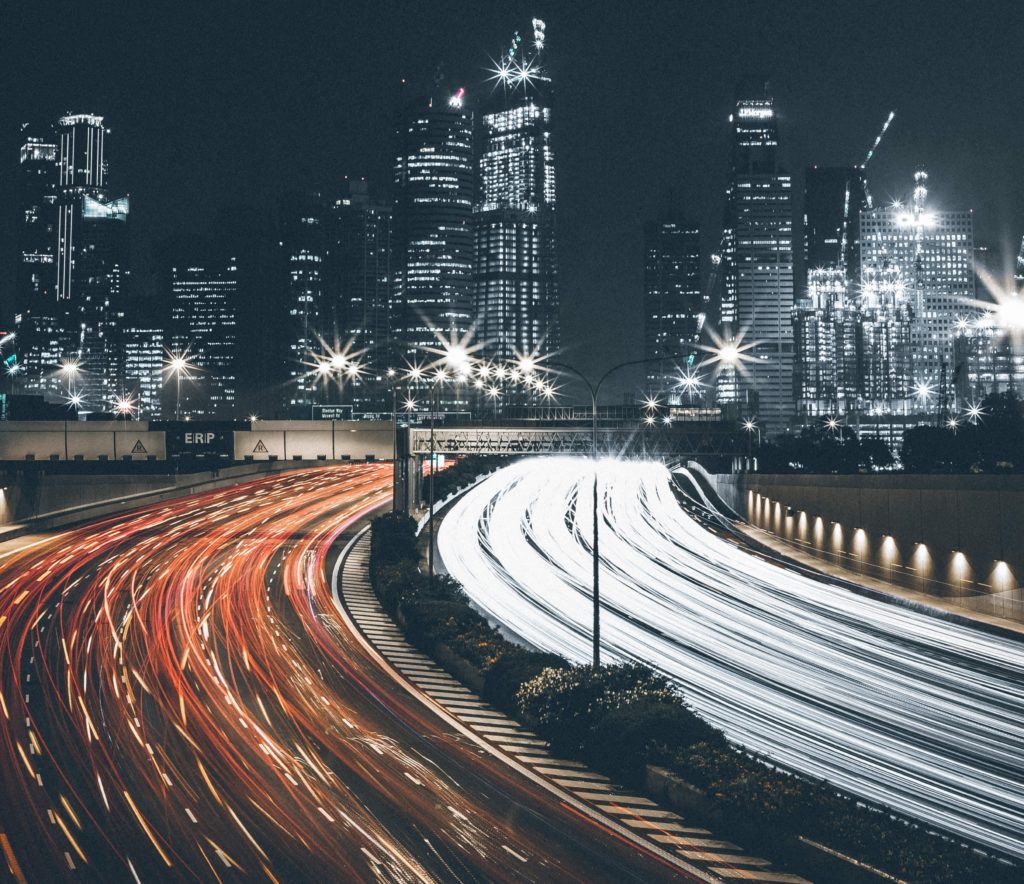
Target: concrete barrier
[
  {"x": 953, "y": 537},
  {"x": 80, "y": 440},
  {"x": 315, "y": 440}
]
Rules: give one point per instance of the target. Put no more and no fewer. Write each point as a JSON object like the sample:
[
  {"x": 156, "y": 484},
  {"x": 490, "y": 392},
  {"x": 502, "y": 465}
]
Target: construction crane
[
  {"x": 873, "y": 148},
  {"x": 867, "y": 193}
]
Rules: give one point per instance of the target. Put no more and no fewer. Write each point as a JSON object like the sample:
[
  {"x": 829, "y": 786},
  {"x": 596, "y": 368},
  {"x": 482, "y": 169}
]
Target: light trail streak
[
  {"x": 892, "y": 704},
  {"x": 177, "y": 683}
]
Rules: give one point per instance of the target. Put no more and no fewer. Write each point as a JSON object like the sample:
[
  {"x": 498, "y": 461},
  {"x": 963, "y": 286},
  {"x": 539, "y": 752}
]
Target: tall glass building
[
  {"x": 204, "y": 323},
  {"x": 82, "y": 170},
  {"x": 825, "y": 330},
  {"x": 757, "y": 296},
  {"x": 433, "y": 230},
  {"x": 32, "y": 313},
  {"x": 516, "y": 267},
  {"x": 675, "y": 307},
  {"x": 358, "y": 290},
  {"x": 925, "y": 259},
  {"x": 304, "y": 246},
  {"x": 37, "y": 219}
]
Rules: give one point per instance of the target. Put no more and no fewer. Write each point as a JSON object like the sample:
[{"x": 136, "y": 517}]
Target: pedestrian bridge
[{"x": 677, "y": 440}]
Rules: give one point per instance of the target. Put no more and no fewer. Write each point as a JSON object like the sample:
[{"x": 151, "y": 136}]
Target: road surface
[
  {"x": 181, "y": 701},
  {"x": 900, "y": 707}
]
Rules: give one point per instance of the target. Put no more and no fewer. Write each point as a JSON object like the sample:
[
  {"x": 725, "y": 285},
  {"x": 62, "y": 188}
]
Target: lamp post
[
  {"x": 177, "y": 365},
  {"x": 594, "y": 389},
  {"x": 750, "y": 425}
]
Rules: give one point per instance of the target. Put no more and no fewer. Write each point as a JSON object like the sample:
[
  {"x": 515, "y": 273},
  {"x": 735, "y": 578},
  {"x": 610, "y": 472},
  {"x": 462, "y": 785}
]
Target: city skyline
[{"x": 594, "y": 272}]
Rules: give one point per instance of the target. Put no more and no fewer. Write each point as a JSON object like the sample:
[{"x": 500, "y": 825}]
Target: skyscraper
[
  {"x": 675, "y": 307},
  {"x": 204, "y": 324},
  {"x": 825, "y": 330},
  {"x": 834, "y": 197},
  {"x": 32, "y": 313},
  {"x": 82, "y": 171},
  {"x": 144, "y": 367},
  {"x": 357, "y": 299},
  {"x": 516, "y": 268},
  {"x": 433, "y": 228},
  {"x": 36, "y": 280},
  {"x": 929, "y": 256},
  {"x": 304, "y": 246},
  {"x": 92, "y": 259},
  {"x": 757, "y": 299}
]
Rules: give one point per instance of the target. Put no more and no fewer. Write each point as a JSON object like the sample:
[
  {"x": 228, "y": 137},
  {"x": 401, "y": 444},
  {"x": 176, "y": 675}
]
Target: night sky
[{"x": 214, "y": 103}]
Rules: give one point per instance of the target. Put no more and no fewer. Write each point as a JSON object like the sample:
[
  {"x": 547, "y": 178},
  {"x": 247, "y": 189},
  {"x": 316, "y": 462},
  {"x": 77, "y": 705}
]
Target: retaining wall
[{"x": 954, "y": 537}]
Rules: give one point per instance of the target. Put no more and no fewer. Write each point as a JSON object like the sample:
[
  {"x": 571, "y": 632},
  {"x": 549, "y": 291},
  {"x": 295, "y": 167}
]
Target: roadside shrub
[
  {"x": 511, "y": 669},
  {"x": 567, "y": 703},
  {"x": 624, "y": 739}
]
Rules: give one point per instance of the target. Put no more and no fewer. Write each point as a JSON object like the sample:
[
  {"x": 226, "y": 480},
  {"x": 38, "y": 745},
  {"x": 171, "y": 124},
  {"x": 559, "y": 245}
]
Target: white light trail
[{"x": 892, "y": 704}]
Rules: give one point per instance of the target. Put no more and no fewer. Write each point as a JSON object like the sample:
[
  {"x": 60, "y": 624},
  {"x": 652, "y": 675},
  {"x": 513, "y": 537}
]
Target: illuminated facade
[
  {"x": 99, "y": 280},
  {"x": 34, "y": 305},
  {"x": 304, "y": 247},
  {"x": 824, "y": 344},
  {"x": 144, "y": 368},
  {"x": 883, "y": 317},
  {"x": 37, "y": 222},
  {"x": 359, "y": 289},
  {"x": 986, "y": 360},
  {"x": 82, "y": 170},
  {"x": 925, "y": 258},
  {"x": 757, "y": 297},
  {"x": 433, "y": 231},
  {"x": 675, "y": 308},
  {"x": 204, "y": 323},
  {"x": 515, "y": 262}
]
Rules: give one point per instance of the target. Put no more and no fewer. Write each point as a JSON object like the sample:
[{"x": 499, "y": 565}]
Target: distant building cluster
[
  {"x": 316, "y": 318},
  {"x": 886, "y": 321},
  {"x": 878, "y": 318}
]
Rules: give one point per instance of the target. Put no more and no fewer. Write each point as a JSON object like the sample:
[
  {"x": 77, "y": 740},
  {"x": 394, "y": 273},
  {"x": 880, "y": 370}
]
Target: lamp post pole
[
  {"x": 430, "y": 518},
  {"x": 594, "y": 390}
]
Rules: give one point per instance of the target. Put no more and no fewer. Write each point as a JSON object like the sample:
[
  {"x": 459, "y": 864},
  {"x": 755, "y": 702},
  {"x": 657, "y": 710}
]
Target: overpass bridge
[{"x": 122, "y": 445}]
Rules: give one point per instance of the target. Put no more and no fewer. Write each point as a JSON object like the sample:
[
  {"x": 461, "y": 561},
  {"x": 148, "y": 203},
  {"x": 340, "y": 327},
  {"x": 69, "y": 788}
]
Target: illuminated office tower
[
  {"x": 931, "y": 255},
  {"x": 82, "y": 171},
  {"x": 358, "y": 292},
  {"x": 37, "y": 219},
  {"x": 757, "y": 297},
  {"x": 144, "y": 367},
  {"x": 884, "y": 315},
  {"x": 204, "y": 323},
  {"x": 433, "y": 231},
  {"x": 32, "y": 313},
  {"x": 825, "y": 345},
  {"x": 99, "y": 284},
  {"x": 675, "y": 307},
  {"x": 987, "y": 359},
  {"x": 516, "y": 269},
  {"x": 825, "y": 331},
  {"x": 304, "y": 250}
]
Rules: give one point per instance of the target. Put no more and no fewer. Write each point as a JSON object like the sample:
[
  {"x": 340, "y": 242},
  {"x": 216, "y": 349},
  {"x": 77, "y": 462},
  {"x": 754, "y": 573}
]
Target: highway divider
[{"x": 633, "y": 725}]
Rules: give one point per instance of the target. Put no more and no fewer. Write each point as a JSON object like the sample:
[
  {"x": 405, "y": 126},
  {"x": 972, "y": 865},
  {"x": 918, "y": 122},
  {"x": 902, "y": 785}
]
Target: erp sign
[{"x": 205, "y": 439}]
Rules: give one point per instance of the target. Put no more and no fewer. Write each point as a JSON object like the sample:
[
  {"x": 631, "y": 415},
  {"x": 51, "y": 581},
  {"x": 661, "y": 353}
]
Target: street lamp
[
  {"x": 70, "y": 368},
  {"x": 594, "y": 389},
  {"x": 178, "y": 366},
  {"x": 750, "y": 425},
  {"x": 124, "y": 407}
]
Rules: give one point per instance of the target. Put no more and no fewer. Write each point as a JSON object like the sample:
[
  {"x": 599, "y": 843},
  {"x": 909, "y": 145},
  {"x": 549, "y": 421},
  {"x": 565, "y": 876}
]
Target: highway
[
  {"x": 900, "y": 707},
  {"x": 181, "y": 701}
]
